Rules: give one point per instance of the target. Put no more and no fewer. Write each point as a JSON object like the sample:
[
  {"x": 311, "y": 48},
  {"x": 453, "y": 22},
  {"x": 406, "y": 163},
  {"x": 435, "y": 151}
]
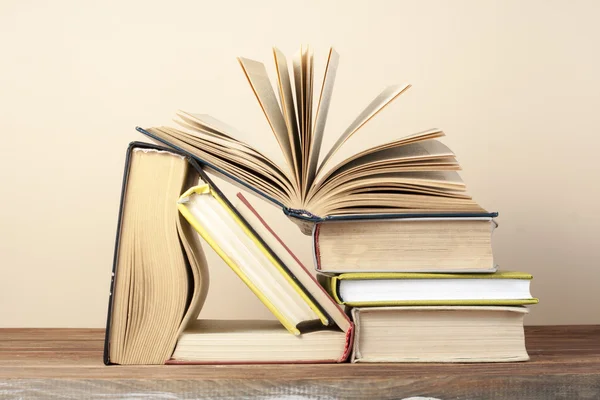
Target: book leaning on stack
[{"x": 397, "y": 239}]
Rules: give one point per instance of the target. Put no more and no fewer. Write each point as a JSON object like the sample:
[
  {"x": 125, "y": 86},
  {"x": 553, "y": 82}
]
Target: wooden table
[{"x": 67, "y": 363}]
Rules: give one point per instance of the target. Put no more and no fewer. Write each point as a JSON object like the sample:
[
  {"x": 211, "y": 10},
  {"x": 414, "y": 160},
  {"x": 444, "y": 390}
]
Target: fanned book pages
[{"x": 410, "y": 175}]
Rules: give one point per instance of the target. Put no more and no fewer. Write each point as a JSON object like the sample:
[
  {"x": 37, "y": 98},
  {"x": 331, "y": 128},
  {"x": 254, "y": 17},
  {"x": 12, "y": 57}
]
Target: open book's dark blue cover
[{"x": 303, "y": 214}]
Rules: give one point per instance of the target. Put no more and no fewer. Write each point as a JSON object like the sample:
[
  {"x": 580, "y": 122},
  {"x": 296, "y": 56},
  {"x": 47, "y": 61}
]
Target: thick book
[
  {"x": 439, "y": 334},
  {"x": 404, "y": 245},
  {"x": 407, "y": 176},
  {"x": 159, "y": 277},
  {"x": 503, "y": 288},
  {"x": 160, "y": 281}
]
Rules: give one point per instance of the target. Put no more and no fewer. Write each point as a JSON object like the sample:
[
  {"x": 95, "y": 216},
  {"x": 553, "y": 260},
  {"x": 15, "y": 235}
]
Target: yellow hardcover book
[
  {"x": 231, "y": 237},
  {"x": 503, "y": 288}
]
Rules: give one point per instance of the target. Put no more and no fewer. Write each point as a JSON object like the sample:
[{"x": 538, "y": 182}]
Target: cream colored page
[
  {"x": 378, "y": 104},
  {"x": 233, "y": 151},
  {"x": 222, "y": 141},
  {"x": 209, "y": 124},
  {"x": 286, "y": 97},
  {"x": 340, "y": 158},
  {"x": 261, "y": 85},
  {"x": 298, "y": 86},
  {"x": 257, "y": 165},
  {"x": 199, "y": 269},
  {"x": 397, "y": 203},
  {"x": 434, "y": 178},
  {"x": 433, "y": 165},
  {"x": 442, "y": 181},
  {"x": 321, "y": 116},
  {"x": 161, "y": 278},
  {"x": 308, "y": 100},
  {"x": 218, "y": 341},
  {"x": 278, "y": 192},
  {"x": 430, "y": 149}
]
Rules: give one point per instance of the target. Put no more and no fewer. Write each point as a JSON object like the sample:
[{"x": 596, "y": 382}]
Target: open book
[{"x": 412, "y": 175}]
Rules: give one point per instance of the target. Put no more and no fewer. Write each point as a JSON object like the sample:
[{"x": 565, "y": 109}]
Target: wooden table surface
[{"x": 67, "y": 364}]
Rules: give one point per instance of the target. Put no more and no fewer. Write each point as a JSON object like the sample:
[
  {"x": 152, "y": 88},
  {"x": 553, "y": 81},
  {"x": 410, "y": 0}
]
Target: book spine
[
  {"x": 349, "y": 343},
  {"x": 301, "y": 214},
  {"x": 106, "y": 351},
  {"x": 334, "y": 289},
  {"x": 316, "y": 249}
]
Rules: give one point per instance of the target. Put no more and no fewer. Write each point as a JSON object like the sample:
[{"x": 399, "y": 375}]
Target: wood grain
[{"x": 67, "y": 363}]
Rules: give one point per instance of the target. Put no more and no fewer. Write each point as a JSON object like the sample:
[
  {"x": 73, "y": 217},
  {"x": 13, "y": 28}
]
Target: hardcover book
[
  {"x": 405, "y": 245},
  {"x": 439, "y": 334},
  {"x": 504, "y": 288}
]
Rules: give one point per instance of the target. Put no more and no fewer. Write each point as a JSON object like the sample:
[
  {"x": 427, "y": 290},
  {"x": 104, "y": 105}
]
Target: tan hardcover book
[
  {"x": 439, "y": 334},
  {"x": 404, "y": 245}
]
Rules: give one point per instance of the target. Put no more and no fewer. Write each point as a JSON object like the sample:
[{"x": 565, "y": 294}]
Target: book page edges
[
  {"x": 344, "y": 356},
  {"x": 357, "y": 356},
  {"x": 317, "y": 252},
  {"x": 199, "y": 269},
  {"x": 443, "y": 360}
]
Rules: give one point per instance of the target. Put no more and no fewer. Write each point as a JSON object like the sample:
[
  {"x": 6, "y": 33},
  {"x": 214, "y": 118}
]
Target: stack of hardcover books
[
  {"x": 397, "y": 240},
  {"x": 424, "y": 289}
]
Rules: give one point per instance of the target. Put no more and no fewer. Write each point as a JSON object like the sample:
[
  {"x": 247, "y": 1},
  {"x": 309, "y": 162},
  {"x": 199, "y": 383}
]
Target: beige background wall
[{"x": 514, "y": 84}]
